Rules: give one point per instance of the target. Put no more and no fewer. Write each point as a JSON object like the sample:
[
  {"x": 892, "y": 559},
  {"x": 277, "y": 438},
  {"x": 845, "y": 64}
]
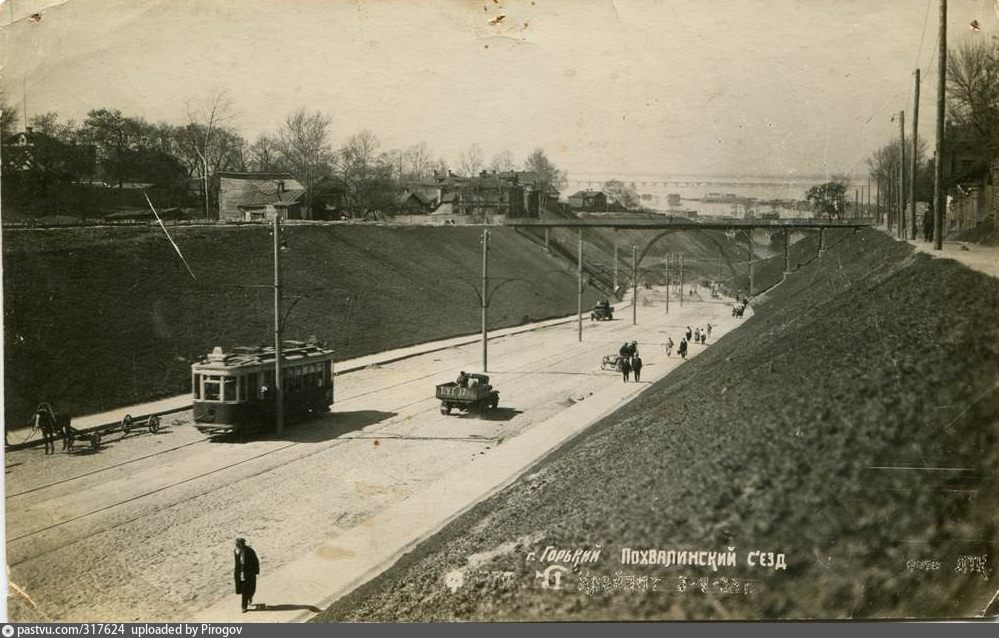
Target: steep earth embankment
[
  {"x": 96, "y": 318},
  {"x": 852, "y": 425}
]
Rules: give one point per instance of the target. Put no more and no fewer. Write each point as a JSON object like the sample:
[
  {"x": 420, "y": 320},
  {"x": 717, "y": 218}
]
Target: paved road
[{"x": 142, "y": 529}]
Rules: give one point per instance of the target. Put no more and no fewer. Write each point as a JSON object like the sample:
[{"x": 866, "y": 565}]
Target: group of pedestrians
[
  {"x": 630, "y": 362},
  {"x": 697, "y": 335}
]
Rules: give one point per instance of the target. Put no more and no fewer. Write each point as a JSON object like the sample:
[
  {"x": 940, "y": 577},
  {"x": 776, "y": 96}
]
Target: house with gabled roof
[{"x": 250, "y": 196}]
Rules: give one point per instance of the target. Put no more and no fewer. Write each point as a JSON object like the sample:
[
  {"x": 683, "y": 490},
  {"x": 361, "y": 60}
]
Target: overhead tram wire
[{"x": 882, "y": 108}]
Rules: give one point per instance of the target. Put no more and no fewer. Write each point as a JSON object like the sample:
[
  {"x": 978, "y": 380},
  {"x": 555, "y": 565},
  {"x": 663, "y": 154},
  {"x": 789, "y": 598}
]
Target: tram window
[
  {"x": 229, "y": 384},
  {"x": 212, "y": 387},
  {"x": 197, "y": 386},
  {"x": 242, "y": 387}
]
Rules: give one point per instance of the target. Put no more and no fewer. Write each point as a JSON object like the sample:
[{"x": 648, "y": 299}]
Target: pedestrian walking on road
[
  {"x": 626, "y": 368},
  {"x": 669, "y": 346},
  {"x": 689, "y": 333},
  {"x": 682, "y": 350},
  {"x": 697, "y": 335},
  {"x": 709, "y": 329},
  {"x": 928, "y": 223},
  {"x": 636, "y": 366},
  {"x": 245, "y": 572}
]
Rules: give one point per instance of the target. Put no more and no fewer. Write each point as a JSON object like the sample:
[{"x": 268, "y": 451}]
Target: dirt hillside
[
  {"x": 97, "y": 318},
  {"x": 851, "y": 425}
]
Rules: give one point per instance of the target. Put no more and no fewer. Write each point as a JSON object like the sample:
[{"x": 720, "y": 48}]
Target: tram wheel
[
  {"x": 154, "y": 424},
  {"x": 126, "y": 423}
]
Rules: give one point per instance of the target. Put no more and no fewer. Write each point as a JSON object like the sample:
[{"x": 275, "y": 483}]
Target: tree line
[
  {"x": 128, "y": 149},
  {"x": 971, "y": 128}
]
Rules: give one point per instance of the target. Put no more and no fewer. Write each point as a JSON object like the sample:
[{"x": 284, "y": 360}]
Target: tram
[{"x": 233, "y": 392}]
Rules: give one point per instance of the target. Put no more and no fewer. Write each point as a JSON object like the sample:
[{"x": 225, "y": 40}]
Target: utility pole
[
  {"x": 938, "y": 187},
  {"x": 914, "y": 164},
  {"x": 879, "y": 202},
  {"x": 856, "y": 202},
  {"x": 667, "y": 281},
  {"x": 278, "y": 393},
  {"x": 485, "y": 298},
  {"x": 749, "y": 245},
  {"x": 615, "y": 265},
  {"x": 681, "y": 280},
  {"x": 634, "y": 285},
  {"x": 579, "y": 287},
  {"x": 867, "y": 210},
  {"x": 901, "y": 179}
]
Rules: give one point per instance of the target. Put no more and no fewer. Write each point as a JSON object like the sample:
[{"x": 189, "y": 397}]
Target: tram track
[
  {"x": 435, "y": 373},
  {"x": 525, "y": 379}
]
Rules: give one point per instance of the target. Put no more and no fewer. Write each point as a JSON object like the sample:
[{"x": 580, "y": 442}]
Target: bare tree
[
  {"x": 416, "y": 159},
  {"x": 471, "y": 161},
  {"x": 973, "y": 90},
  {"x": 263, "y": 154},
  {"x": 204, "y": 121},
  {"x": 303, "y": 144},
  {"x": 550, "y": 177},
  {"x": 502, "y": 161}
]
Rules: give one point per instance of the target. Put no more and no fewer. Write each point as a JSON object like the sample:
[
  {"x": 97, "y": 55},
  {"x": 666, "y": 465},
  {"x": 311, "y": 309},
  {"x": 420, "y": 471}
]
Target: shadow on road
[
  {"x": 499, "y": 414},
  {"x": 283, "y": 607},
  {"x": 330, "y": 426}
]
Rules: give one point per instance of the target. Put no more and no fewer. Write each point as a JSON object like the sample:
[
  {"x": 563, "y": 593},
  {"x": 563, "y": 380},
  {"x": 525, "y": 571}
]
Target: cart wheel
[
  {"x": 126, "y": 423},
  {"x": 95, "y": 441},
  {"x": 154, "y": 424}
]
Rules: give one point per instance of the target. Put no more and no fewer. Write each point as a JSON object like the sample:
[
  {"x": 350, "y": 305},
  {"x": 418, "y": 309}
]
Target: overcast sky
[{"x": 738, "y": 87}]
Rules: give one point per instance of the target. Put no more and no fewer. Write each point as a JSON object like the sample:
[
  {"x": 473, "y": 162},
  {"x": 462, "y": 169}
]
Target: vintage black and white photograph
[{"x": 323, "y": 311}]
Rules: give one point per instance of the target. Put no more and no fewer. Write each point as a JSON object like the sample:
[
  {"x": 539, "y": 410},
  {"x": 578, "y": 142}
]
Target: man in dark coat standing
[
  {"x": 636, "y": 367},
  {"x": 245, "y": 573}
]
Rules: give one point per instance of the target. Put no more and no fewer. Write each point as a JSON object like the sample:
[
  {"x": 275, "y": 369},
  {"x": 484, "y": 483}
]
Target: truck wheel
[{"x": 494, "y": 403}]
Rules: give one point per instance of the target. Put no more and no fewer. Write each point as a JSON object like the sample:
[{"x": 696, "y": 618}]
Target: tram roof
[{"x": 292, "y": 352}]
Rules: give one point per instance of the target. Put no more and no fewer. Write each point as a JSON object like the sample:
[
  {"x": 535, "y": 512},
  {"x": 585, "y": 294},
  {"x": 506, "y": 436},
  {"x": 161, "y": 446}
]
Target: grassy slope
[
  {"x": 96, "y": 318},
  {"x": 868, "y": 358}
]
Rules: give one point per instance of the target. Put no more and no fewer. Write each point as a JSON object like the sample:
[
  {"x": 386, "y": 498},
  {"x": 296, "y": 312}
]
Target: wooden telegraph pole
[
  {"x": 278, "y": 394},
  {"x": 579, "y": 287},
  {"x": 938, "y": 186},
  {"x": 634, "y": 285},
  {"x": 667, "y": 282},
  {"x": 901, "y": 176},
  {"x": 914, "y": 159},
  {"x": 485, "y": 298}
]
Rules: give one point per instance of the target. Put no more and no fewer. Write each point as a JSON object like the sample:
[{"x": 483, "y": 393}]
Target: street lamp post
[
  {"x": 579, "y": 287},
  {"x": 485, "y": 299},
  {"x": 278, "y": 395}
]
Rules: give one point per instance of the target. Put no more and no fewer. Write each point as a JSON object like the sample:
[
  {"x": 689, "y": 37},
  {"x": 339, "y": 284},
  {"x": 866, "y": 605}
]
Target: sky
[{"x": 606, "y": 87}]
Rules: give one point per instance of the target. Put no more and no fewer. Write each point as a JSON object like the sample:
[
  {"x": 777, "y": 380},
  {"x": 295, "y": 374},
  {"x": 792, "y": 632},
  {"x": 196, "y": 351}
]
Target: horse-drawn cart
[
  {"x": 611, "y": 362},
  {"x": 55, "y": 427}
]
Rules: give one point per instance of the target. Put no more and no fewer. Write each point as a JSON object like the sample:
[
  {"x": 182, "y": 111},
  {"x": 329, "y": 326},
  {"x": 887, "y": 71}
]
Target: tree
[
  {"x": 501, "y": 162},
  {"x": 624, "y": 195},
  {"x": 471, "y": 161},
  {"x": 115, "y": 138},
  {"x": 973, "y": 91},
  {"x": 203, "y": 125},
  {"x": 416, "y": 161},
  {"x": 8, "y": 119},
  {"x": 356, "y": 164},
  {"x": 549, "y": 177},
  {"x": 263, "y": 154},
  {"x": 830, "y": 198},
  {"x": 304, "y": 147}
]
